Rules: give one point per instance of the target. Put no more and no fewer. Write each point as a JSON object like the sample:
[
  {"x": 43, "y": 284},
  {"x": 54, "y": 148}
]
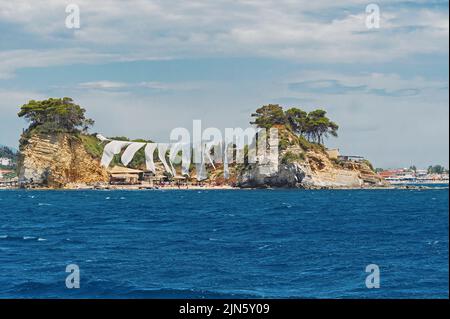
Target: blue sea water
[{"x": 220, "y": 244}]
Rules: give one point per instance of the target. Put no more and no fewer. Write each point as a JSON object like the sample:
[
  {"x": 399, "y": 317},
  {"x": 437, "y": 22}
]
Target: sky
[{"x": 142, "y": 68}]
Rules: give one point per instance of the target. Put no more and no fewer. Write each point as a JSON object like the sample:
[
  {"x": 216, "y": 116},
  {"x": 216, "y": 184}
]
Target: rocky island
[{"x": 56, "y": 151}]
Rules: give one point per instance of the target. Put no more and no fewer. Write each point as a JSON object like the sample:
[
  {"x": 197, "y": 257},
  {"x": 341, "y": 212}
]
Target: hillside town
[
  {"x": 432, "y": 175},
  {"x": 8, "y": 175}
]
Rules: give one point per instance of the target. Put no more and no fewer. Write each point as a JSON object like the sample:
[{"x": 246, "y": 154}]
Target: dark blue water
[{"x": 218, "y": 244}]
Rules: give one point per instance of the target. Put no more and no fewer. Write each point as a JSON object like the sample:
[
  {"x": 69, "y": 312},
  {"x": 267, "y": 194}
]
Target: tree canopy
[
  {"x": 318, "y": 126},
  {"x": 314, "y": 126},
  {"x": 7, "y": 152},
  {"x": 298, "y": 120},
  {"x": 55, "y": 115},
  {"x": 269, "y": 115},
  {"x": 437, "y": 169}
]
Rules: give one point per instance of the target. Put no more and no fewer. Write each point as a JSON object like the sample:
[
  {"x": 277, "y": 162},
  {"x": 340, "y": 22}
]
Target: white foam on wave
[
  {"x": 42, "y": 239},
  {"x": 28, "y": 237}
]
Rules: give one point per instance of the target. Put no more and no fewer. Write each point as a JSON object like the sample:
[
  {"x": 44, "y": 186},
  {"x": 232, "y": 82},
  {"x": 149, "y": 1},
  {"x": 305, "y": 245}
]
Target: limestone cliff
[
  {"x": 58, "y": 161},
  {"x": 304, "y": 165}
]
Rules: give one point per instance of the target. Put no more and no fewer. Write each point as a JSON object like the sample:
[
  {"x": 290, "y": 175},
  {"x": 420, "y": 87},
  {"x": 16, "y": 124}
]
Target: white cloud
[
  {"x": 384, "y": 84},
  {"x": 125, "y": 86},
  {"x": 102, "y": 85},
  {"x": 15, "y": 59},
  {"x": 298, "y": 30}
]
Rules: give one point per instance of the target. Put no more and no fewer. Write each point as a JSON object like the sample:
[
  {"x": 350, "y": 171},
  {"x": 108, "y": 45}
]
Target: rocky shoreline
[
  {"x": 223, "y": 187},
  {"x": 62, "y": 161}
]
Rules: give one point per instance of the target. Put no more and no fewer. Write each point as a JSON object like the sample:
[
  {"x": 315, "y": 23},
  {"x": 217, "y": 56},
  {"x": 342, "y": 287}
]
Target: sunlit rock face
[
  {"x": 310, "y": 169},
  {"x": 57, "y": 160}
]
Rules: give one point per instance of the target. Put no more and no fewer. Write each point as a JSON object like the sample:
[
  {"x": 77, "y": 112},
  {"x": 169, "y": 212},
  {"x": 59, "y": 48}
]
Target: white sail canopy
[
  {"x": 129, "y": 153},
  {"x": 149, "y": 150},
  {"x": 162, "y": 150},
  {"x": 201, "y": 152},
  {"x": 111, "y": 149}
]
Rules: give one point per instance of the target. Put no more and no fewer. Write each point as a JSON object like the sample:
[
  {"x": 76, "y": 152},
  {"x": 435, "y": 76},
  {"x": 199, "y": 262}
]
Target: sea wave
[
  {"x": 44, "y": 204},
  {"x": 21, "y": 238},
  {"x": 105, "y": 289}
]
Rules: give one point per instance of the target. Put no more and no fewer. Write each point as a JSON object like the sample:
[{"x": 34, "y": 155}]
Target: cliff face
[
  {"x": 311, "y": 168},
  {"x": 322, "y": 172},
  {"x": 58, "y": 161}
]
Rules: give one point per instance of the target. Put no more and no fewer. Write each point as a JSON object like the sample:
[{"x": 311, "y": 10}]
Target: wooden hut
[{"x": 125, "y": 176}]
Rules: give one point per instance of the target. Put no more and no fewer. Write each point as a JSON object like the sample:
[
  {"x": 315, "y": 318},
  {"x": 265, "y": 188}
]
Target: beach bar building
[{"x": 125, "y": 176}]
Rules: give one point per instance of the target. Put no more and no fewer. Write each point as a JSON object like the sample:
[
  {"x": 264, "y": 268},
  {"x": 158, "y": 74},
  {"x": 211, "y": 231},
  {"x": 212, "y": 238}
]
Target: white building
[
  {"x": 5, "y": 161},
  {"x": 421, "y": 172}
]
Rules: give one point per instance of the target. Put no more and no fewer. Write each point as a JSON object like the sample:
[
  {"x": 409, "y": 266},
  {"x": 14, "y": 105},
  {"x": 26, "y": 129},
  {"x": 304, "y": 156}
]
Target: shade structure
[{"x": 124, "y": 170}]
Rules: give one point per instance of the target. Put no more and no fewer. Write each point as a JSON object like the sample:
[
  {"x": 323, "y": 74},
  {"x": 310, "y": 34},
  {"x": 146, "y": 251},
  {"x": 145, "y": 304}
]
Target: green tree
[
  {"x": 55, "y": 115},
  {"x": 7, "y": 152},
  {"x": 297, "y": 120},
  {"x": 315, "y": 125},
  {"x": 436, "y": 169},
  {"x": 319, "y": 126},
  {"x": 268, "y": 116}
]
